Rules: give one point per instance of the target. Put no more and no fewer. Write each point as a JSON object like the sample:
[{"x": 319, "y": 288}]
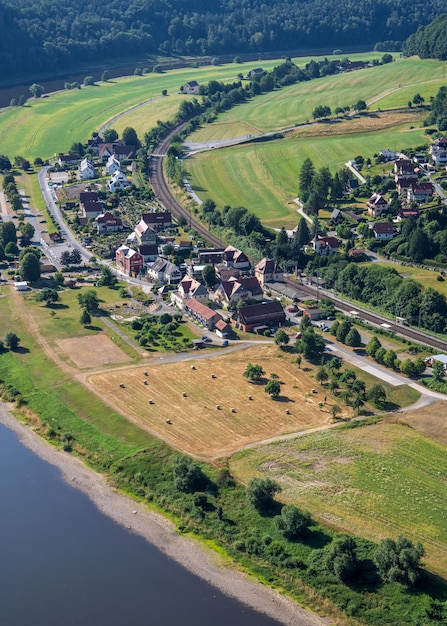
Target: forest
[
  {"x": 45, "y": 36},
  {"x": 429, "y": 42}
]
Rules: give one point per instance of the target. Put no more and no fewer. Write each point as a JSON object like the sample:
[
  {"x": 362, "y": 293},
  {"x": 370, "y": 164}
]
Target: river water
[{"x": 63, "y": 563}]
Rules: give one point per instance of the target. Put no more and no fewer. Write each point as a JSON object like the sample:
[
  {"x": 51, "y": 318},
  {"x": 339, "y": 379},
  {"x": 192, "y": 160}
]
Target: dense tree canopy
[
  {"x": 45, "y": 36},
  {"x": 429, "y": 42}
]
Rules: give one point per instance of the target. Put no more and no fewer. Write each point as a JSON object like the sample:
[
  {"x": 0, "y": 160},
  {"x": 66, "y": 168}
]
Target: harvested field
[
  {"x": 92, "y": 351},
  {"x": 426, "y": 421},
  {"x": 200, "y": 428}
]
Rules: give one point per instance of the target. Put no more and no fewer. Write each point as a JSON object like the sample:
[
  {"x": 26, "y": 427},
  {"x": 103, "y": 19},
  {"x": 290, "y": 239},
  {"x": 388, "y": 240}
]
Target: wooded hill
[
  {"x": 47, "y": 35},
  {"x": 429, "y": 42}
]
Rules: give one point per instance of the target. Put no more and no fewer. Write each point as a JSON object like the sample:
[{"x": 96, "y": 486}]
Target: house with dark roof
[
  {"x": 324, "y": 245},
  {"x": 210, "y": 255},
  {"x": 68, "y": 160},
  {"x": 149, "y": 252},
  {"x": 157, "y": 221},
  {"x": 163, "y": 271},
  {"x": 405, "y": 214},
  {"x": 232, "y": 257},
  {"x": 92, "y": 209},
  {"x": 268, "y": 271},
  {"x": 232, "y": 291},
  {"x": 420, "y": 192},
  {"x": 255, "y": 316},
  {"x": 108, "y": 223},
  {"x": 201, "y": 314},
  {"x": 383, "y": 230},
  {"x": 88, "y": 196},
  {"x": 404, "y": 168},
  {"x": 192, "y": 87},
  {"x": 376, "y": 205}
]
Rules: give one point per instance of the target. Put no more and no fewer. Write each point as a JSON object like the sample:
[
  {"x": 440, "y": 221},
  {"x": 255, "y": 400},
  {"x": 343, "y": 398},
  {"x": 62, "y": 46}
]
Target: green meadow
[
  {"x": 263, "y": 177},
  {"x": 372, "y": 481}
]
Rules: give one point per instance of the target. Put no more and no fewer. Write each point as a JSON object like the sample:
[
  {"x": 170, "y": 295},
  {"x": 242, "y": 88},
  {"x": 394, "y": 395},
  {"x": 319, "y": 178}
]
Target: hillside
[
  {"x": 48, "y": 36},
  {"x": 429, "y": 42}
]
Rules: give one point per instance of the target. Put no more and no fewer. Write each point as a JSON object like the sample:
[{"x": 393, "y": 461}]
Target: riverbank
[{"x": 160, "y": 532}]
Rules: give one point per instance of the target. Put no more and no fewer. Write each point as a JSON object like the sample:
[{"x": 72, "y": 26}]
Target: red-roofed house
[
  {"x": 230, "y": 292},
  {"x": 201, "y": 313},
  {"x": 248, "y": 318},
  {"x": 420, "y": 193},
  {"x": 376, "y": 205},
  {"x": 222, "y": 328},
  {"x": 157, "y": 221},
  {"x": 267, "y": 271},
  {"x": 189, "y": 288},
  {"x": 383, "y": 230},
  {"x": 108, "y": 223}
]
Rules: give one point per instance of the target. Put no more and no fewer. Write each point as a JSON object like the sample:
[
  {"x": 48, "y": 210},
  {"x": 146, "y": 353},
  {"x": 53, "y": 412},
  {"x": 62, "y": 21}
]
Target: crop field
[
  {"x": 374, "y": 481},
  {"x": 263, "y": 177},
  {"x": 198, "y": 427},
  {"x": 146, "y": 116},
  {"x": 219, "y": 132},
  {"x": 294, "y": 105}
]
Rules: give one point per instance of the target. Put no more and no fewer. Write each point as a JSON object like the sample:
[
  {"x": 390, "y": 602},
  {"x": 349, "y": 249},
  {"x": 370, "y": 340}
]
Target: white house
[
  {"x": 118, "y": 181},
  {"x": 192, "y": 87},
  {"x": 113, "y": 165},
  {"x": 86, "y": 169}
]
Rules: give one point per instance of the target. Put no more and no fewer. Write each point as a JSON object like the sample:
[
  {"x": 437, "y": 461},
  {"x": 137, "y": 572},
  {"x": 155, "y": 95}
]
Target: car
[
  {"x": 292, "y": 309},
  {"x": 225, "y": 343},
  {"x": 330, "y": 317},
  {"x": 206, "y": 339}
]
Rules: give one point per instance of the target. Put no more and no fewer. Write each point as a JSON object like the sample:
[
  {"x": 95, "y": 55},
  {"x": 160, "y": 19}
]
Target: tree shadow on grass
[
  {"x": 21, "y": 350},
  {"x": 315, "y": 538},
  {"x": 57, "y": 306},
  {"x": 283, "y": 399}
]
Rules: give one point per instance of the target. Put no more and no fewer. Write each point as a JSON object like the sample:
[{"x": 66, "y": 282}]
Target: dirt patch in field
[
  {"x": 429, "y": 421},
  {"x": 361, "y": 124},
  {"x": 207, "y": 411},
  {"x": 92, "y": 351}
]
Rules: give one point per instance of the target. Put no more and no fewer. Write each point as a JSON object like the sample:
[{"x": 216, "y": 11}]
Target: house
[
  {"x": 324, "y": 245},
  {"x": 336, "y": 217},
  {"x": 355, "y": 65},
  {"x": 68, "y": 160},
  {"x": 232, "y": 291},
  {"x": 352, "y": 185},
  {"x": 312, "y": 312},
  {"x": 232, "y": 257},
  {"x": 158, "y": 221},
  {"x": 21, "y": 286},
  {"x": 358, "y": 254},
  {"x": 404, "y": 168},
  {"x": 129, "y": 261},
  {"x": 377, "y": 205},
  {"x": 92, "y": 209},
  {"x": 268, "y": 271},
  {"x": 406, "y": 214},
  {"x": 86, "y": 169},
  {"x": 222, "y": 328},
  {"x": 201, "y": 314},
  {"x": 189, "y": 288},
  {"x": 118, "y": 181},
  {"x": 192, "y": 87},
  {"x": 383, "y": 230},
  {"x": 419, "y": 158},
  {"x": 438, "y": 154},
  {"x": 145, "y": 234},
  {"x": 388, "y": 155},
  {"x": 163, "y": 271},
  {"x": 185, "y": 246},
  {"x": 258, "y": 316},
  {"x": 149, "y": 252},
  {"x": 402, "y": 184},
  {"x": 108, "y": 223},
  {"x": 210, "y": 255},
  {"x": 119, "y": 150},
  {"x": 113, "y": 165},
  {"x": 257, "y": 71},
  {"x": 88, "y": 196},
  {"x": 420, "y": 193}
]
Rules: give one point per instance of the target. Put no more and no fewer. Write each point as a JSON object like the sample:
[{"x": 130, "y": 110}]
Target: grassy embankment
[{"x": 71, "y": 416}]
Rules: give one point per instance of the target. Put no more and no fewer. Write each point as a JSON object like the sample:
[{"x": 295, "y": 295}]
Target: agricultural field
[
  {"x": 263, "y": 177},
  {"x": 380, "y": 480}
]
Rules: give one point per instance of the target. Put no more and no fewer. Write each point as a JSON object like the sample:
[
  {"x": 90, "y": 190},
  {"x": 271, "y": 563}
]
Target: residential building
[
  {"x": 91, "y": 210},
  {"x": 324, "y": 245},
  {"x": 108, "y": 223},
  {"x": 129, "y": 261},
  {"x": 201, "y": 313},
  {"x": 232, "y": 291},
  {"x": 86, "y": 169},
  {"x": 232, "y": 257},
  {"x": 149, "y": 252},
  {"x": 420, "y": 193},
  {"x": 268, "y": 271},
  {"x": 189, "y": 288},
  {"x": 113, "y": 165},
  {"x": 389, "y": 155},
  {"x": 258, "y": 317},
  {"x": 404, "y": 168},
  {"x": 68, "y": 160},
  {"x": 144, "y": 233},
  {"x": 377, "y": 205},
  {"x": 163, "y": 271},
  {"x": 192, "y": 87},
  {"x": 118, "y": 181},
  {"x": 383, "y": 230},
  {"x": 158, "y": 221},
  {"x": 210, "y": 255},
  {"x": 222, "y": 328}
]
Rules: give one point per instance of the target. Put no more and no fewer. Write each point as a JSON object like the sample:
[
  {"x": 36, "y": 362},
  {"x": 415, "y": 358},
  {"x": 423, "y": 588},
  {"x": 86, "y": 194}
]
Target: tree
[
  {"x": 273, "y": 388},
  {"x": 372, "y": 346},
  {"x": 418, "y": 100},
  {"x": 335, "y": 411},
  {"x": 357, "y": 403},
  {"x": 377, "y": 394},
  {"x": 130, "y": 136},
  {"x": 49, "y": 296},
  {"x": 321, "y": 111},
  {"x": 299, "y": 360},
  {"x": 311, "y": 345},
  {"x": 5, "y": 163},
  {"x": 30, "y": 267},
  {"x": 307, "y": 173},
  {"x": 209, "y": 275},
  {"x": 8, "y": 232},
  {"x": 88, "y": 81},
  {"x": 360, "y": 105},
  {"x": 107, "y": 278},
  {"x": 399, "y": 561},
  {"x": 36, "y": 90},
  {"x": 75, "y": 257},
  {"x": 11, "y": 340},
  {"x": 88, "y": 300},
  {"x": 11, "y": 249},
  {"x": 438, "y": 371},
  {"x": 353, "y": 338},
  {"x": 407, "y": 367},
  {"x": 341, "y": 559},
  {"x": 105, "y": 76},
  {"x": 188, "y": 475},
  {"x": 27, "y": 231},
  {"x": 322, "y": 375},
  {"x": 260, "y": 493},
  {"x": 253, "y": 372},
  {"x": 110, "y": 135},
  {"x": 292, "y": 522},
  {"x": 59, "y": 278},
  {"x": 301, "y": 236},
  {"x": 281, "y": 337},
  {"x": 21, "y": 101},
  {"x": 390, "y": 358},
  {"x": 343, "y": 330}
]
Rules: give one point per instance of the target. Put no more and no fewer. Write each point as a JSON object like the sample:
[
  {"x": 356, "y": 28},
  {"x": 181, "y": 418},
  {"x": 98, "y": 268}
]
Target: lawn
[
  {"x": 263, "y": 177},
  {"x": 379, "y": 480}
]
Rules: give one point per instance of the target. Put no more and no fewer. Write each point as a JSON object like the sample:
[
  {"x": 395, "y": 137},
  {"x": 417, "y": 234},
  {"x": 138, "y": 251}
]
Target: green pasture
[
  {"x": 294, "y": 105},
  {"x": 146, "y": 116},
  {"x": 263, "y": 177},
  {"x": 373, "y": 481}
]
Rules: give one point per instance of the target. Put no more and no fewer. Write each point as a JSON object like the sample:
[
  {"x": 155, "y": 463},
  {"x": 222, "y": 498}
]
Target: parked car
[
  {"x": 330, "y": 317},
  {"x": 224, "y": 343},
  {"x": 206, "y": 339},
  {"x": 292, "y": 309}
]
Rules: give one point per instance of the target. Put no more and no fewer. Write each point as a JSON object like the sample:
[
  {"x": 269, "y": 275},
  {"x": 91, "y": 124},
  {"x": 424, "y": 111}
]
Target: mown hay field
[
  {"x": 263, "y": 177},
  {"x": 376, "y": 481},
  {"x": 198, "y": 427}
]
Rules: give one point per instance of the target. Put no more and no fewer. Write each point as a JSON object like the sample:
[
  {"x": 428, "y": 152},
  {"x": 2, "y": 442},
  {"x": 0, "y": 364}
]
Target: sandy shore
[{"x": 161, "y": 532}]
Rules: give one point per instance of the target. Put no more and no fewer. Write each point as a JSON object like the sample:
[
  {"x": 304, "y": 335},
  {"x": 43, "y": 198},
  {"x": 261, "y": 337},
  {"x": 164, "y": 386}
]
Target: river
[{"x": 63, "y": 562}]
